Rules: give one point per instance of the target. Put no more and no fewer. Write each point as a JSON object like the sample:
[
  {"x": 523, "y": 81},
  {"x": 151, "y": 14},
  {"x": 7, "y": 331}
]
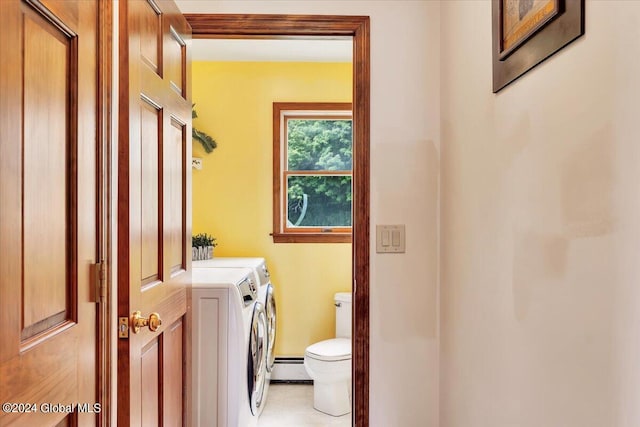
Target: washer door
[
  {"x": 256, "y": 365},
  {"x": 270, "y": 308}
]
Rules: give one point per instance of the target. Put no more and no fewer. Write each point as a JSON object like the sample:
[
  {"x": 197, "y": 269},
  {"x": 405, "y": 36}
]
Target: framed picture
[{"x": 526, "y": 32}]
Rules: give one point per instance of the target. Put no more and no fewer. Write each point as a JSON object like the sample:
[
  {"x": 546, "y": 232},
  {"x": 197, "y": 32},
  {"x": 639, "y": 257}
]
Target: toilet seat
[{"x": 331, "y": 350}]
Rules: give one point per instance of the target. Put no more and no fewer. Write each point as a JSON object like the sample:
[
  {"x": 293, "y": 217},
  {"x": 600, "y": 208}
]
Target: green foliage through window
[
  {"x": 315, "y": 144},
  {"x": 319, "y": 163},
  {"x": 327, "y": 204}
]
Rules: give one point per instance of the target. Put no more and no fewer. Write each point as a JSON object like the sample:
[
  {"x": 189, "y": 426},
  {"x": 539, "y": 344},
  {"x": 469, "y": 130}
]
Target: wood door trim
[
  {"x": 104, "y": 150},
  {"x": 270, "y": 26},
  {"x": 242, "y": 25}
]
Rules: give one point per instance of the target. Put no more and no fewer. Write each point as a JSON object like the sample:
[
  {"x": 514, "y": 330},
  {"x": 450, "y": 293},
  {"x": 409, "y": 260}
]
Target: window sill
[{"x": 311, "y": 237}]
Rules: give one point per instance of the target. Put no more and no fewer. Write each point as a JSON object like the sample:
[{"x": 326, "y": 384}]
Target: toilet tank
[{"x": 343, "y": 314}]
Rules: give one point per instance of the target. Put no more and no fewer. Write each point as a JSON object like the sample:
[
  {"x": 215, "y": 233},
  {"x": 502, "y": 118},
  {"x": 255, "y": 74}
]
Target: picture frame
[{"x": 526, "y": 32}]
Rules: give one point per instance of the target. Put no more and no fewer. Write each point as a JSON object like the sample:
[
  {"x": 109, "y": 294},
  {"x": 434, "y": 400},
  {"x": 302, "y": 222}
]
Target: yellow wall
[{"x": 232, "y": 194}]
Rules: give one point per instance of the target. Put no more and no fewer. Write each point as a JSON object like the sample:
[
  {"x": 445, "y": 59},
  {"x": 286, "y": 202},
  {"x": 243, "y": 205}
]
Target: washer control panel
[{"x": 248, "y": 291}]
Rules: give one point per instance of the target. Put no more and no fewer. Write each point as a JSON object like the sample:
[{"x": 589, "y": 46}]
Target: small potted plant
[{"x": 202, "y": 246}]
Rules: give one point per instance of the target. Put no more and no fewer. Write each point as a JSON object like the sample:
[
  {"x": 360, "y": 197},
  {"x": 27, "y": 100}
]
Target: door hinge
[{"x": 99, "y": 282}]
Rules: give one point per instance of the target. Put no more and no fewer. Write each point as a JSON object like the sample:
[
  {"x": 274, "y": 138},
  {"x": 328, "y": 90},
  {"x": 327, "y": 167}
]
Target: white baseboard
[{"x": 289, "y": 369}]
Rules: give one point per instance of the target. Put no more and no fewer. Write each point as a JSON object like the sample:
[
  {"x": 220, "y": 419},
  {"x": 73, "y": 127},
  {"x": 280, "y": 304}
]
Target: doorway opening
[{"x": 305, "y": 26}]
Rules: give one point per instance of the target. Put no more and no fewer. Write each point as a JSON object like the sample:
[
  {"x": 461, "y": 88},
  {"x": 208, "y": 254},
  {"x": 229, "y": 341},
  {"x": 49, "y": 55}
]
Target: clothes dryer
[
  {"x": 229, "y": 347},
  {"x": 265, "y": 295}
]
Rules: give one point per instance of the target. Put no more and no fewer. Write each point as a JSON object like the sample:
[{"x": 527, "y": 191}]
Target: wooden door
[
  {"x": 154, "y": 215},
  {"x": 48, "y": 212}
]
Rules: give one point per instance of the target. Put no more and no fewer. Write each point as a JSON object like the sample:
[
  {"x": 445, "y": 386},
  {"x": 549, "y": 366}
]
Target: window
[{"x": 312, "y": 172}]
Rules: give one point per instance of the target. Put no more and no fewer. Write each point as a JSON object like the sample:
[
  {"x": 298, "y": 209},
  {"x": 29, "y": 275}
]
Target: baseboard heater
[{"x": 290, "y": 370}]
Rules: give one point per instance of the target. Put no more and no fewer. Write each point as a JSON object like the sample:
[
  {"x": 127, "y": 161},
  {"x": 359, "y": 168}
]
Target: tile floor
[{"x": 291, "y": 405}]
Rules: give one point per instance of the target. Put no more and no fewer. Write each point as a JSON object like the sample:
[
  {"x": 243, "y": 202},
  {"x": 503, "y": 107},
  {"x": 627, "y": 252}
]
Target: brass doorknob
[{"x": 137, "y": 321}]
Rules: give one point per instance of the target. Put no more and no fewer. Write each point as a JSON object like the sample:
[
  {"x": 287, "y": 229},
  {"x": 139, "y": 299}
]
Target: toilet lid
[{"x": 330, "y": 350}]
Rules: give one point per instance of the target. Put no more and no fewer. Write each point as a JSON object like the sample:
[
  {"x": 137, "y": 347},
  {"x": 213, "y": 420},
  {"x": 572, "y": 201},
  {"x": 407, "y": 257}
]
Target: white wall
[
  {"x": 405, "y": 129},
  {"x": 541, "y": 228}
]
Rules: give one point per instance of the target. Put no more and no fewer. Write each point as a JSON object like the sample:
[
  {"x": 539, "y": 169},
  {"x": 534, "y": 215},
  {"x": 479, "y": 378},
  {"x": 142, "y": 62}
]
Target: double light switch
[{"x": 390, "y": 239}]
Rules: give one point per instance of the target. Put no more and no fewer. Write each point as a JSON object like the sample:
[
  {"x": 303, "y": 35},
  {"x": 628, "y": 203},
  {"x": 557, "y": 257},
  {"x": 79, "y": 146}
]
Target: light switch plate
[{"x": 390, "y": 239}]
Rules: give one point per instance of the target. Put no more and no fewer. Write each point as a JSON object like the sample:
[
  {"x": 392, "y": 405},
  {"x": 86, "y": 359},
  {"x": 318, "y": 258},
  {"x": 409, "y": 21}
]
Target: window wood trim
[
  {"x": 281, "y": 233},
  {"x": 311, "y": 237}
]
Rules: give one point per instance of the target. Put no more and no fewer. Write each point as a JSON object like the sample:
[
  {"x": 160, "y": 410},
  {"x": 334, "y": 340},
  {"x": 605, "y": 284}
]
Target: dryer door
[
  {"x": 257, "y": 363},
  {"x": 270, "y": 308}
]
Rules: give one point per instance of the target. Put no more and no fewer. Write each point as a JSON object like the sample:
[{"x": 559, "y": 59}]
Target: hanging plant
[{"x": 208, "y": 143}]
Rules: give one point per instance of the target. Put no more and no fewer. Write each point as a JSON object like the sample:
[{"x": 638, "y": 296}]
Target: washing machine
[
  {"x": 265, "y": 296},
  {"x": 229, "y": 342}
]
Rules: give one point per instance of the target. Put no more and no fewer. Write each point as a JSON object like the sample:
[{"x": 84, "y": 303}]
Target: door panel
[
  {"x": 48, "y": 206},
  {"x": 154, "y": 211},
  {"x": 148, "y": 145},
  {"x": 150, "y": 362},
  {"x": 150, "y": 18},
  {"x": 177, "y": 62},
  {"x": 174, "y": 172},
  {"x": 47, "y": 183},
  {"x": 174, "y": 378}
]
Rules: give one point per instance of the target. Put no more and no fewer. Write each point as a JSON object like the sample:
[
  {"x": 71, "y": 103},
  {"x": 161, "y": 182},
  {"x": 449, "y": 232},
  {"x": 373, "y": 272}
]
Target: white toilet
[{"x": 328, "y": 363}]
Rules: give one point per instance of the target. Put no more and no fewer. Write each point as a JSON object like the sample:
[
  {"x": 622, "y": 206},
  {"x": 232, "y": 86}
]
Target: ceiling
[{"x": 280, "y": 50}]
